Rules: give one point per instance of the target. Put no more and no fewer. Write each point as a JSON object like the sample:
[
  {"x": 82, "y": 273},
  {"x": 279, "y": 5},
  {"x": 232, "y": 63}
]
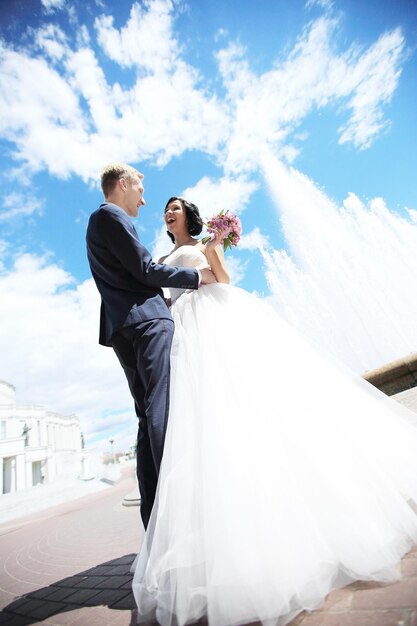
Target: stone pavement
[{"x": 70, "y": 565}]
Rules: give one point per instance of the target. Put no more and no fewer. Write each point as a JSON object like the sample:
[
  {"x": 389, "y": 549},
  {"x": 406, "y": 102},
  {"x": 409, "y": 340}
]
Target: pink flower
[{"x": 230, "y": 224}]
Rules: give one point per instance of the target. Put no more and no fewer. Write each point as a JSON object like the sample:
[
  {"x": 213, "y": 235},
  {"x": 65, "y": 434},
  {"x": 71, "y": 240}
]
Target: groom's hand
[{"x": 207, "y": 276}]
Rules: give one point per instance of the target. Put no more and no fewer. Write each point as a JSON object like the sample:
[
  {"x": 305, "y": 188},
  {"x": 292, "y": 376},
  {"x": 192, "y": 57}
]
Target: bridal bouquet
[{"x": 230, "y": 224}]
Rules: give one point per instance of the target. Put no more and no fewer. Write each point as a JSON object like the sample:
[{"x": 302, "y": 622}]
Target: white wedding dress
[{"x": 283, "y": 477}]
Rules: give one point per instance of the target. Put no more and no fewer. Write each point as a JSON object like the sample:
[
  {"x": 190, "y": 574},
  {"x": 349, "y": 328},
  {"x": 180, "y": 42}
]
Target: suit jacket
[{"x": 128, "y": 280}]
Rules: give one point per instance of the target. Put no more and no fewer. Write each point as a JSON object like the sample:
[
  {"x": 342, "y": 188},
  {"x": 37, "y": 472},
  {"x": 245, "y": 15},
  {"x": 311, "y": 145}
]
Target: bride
[{"x": 283, "y": 477}]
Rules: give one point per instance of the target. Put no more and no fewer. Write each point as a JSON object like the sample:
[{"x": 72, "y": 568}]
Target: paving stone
[
  {"x": 111, "y": 596},
  {"x": 46, "y": 609},
  {"x": 95, "y": 616},
  {"x": 125, "y": 560},
  {"x": 20, "y": 606},
  {"x": 90, "y": 582},
  {"x": 338, "y": 600},
  {"x": 298, "y": 620},
  {"x": 128, "y": 602},
  {"x": 369, "y": 584},
  {"x": 100, "y": 570},
  {"x": 96, "y": 600},
  {"x": 69, "y": 618},
  {"x": 18, "y": 588},
  {"x": 6, "y": 618},
  {"x": 14, "y": 620},
  {"x": 41, "y": 594},
  {"x": 124, "y": 618},
  {"x": 358, "y": 618},
  {"x": 402, "y": 594},
  {"x": 116, "y": 582},
  {"x": 81, "y": 596},
  {"x": 119, "y": 570},
  {"x": 409, "y": 567},
  {"x": 70, "y": 581},
  {"x": 412, "y": 554},
  {"x": 57, "y": 595},
  {"x": 127, "y": 584}
]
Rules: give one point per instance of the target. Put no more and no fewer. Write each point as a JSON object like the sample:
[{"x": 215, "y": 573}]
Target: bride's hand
[
  {"x": 215, "y": 256},
  {"x": 207, "y": 276},
  {"x": 217, "y": 240}
]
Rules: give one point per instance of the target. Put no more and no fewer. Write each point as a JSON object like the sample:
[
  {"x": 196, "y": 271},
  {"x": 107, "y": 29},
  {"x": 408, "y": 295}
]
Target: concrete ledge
[{"x": 396, "y": 376}]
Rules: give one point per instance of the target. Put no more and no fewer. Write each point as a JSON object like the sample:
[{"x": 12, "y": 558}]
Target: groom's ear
[{"x": 122, "y": 183}]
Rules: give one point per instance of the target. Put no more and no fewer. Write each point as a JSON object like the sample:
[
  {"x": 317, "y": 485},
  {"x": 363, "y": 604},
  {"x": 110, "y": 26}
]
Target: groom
[{"x": 135, "y": 320}]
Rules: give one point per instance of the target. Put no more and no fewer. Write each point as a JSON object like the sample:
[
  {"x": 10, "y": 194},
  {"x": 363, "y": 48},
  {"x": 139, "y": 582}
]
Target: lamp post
[{"x": 111, "y": 441}]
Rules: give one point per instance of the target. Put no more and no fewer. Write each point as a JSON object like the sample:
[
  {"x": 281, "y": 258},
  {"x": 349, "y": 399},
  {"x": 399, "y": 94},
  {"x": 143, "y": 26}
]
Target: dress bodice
[{"x": 185, "y": 256}]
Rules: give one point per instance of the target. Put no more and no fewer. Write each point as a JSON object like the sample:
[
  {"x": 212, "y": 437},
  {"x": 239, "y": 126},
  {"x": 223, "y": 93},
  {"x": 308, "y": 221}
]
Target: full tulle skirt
[{"x": 284, "y": 476}]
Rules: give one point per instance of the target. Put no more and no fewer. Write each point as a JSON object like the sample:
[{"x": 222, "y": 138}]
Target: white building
[{"x": 36, "y": 446}]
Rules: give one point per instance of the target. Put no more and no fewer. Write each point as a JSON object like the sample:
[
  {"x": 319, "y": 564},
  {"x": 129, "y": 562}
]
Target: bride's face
[{"x": 175, "y": 218}]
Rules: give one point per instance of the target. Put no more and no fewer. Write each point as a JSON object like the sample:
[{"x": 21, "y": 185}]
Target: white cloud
[
  {"x": 236, "y": 269},
  {"x": 4, "y": 248},
  {"x": 268, "y": 108},
  {"x": 376, "y": 78},
  {"x": 221, "y": 33},
  {"x": 17, "y": 205},
  {"x": 51, "y": 6},
  {"x": 87, "y": 79},
  {"x": 324, "y": 4},
  {"x": 52, "y": 40},
  {"x": 146, "y": 41},
  {"x": 412, "y": 214},
  {"x": 254, "y": 240},
  {"x": 162, "y": 245},
  {"x": 72, "y": 104},
  {"x": 227, "y": 193},
  {"x": 63, "y": 97},
  {"x": 53, "y": 357},
  {"x": 39, "y": 113},
  {"x": 83, "y": 36}
]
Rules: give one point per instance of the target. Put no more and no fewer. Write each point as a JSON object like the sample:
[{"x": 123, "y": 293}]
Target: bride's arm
[{"x": 215, "y": 257}]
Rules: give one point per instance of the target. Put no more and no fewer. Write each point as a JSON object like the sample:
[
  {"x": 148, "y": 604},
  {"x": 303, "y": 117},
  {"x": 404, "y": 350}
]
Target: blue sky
[{"x": 200, "y": 96}]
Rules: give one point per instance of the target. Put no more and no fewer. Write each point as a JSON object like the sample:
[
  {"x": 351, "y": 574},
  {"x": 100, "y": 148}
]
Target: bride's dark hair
[{"x": 192, "y": 214}]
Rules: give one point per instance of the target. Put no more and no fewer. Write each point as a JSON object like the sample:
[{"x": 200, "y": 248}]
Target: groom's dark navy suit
[{"x": 136, "y": 322}]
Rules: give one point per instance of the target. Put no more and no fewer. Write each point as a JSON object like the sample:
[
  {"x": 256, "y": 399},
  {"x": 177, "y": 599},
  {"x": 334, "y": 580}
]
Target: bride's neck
[{"x": 183, "y": 240}]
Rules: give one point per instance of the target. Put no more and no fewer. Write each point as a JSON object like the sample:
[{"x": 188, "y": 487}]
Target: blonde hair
[{"x": 113, "y": 172}]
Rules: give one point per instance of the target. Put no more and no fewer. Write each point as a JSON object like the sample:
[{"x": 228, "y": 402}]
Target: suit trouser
[{"x": 144, "y": 353}]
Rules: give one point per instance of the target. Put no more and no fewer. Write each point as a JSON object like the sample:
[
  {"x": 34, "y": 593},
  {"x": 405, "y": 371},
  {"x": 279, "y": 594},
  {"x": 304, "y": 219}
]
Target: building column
[
  {"x": 1, "y": 476},
  {"x": 20, "y": 472},
  {"x": 50, "y": 468},
  {"x": 13, "y": 474},
  {"x": 28, "y": 472}
]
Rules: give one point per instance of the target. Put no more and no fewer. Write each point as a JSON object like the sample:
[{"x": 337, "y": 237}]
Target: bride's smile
[{"x": 175, "y": 218}]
